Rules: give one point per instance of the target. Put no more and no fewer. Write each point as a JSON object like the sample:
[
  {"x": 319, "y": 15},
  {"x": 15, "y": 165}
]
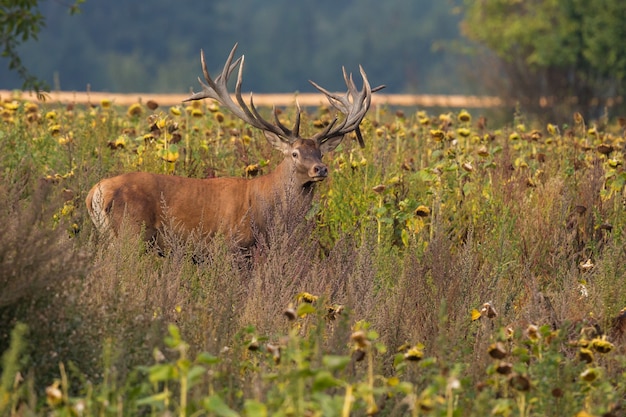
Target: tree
[
  {"x": 20, "y": 21},
  {"x": 556, "y": 54}
]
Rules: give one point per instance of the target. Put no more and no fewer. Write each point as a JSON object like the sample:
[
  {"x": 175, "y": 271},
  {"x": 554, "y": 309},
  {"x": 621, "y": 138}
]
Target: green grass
[{"x": 374, "y": 302}]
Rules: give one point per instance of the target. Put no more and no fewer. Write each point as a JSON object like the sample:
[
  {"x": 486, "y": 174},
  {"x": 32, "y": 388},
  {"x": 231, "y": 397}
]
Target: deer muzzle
[{"x": 318, "y": 172}]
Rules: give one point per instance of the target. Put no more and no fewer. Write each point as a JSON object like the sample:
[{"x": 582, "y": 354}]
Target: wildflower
[
  {"x": 171, "y": 154},
  {"x": 482, "y": 151},
  {"x": 497, "y": 350},
  {"x": 290, "y": 313},
  {"x": 161, "y": 123},
  {"x": 360, "y": 339},
  {"x": 587, "y": 266},
  {"x": 416, "y": 353},
  {"x": 514, "y": 136},
  {"x": 578, "y": 118},
  {"x": 31, "y": 107},
  {"x": 175, "y": 111},
  {"x": 422, "y": 211},
  {"x": 463, "y": 131},
  {"x": 134, "y": 110},
  {"x": 54, "y": 396},
  {"x": 11, "y": 105},
  {"x": 379, "y": 188},
  {"x": 601, "y": 345},
  {"x": 552, "y": 129},
  {"x": 533, "y": 332},
  {"x": 213, "y": 107},
  {"x": 334, "y": 311},
  {"x": 105, "y": 103},
  {"x": 589, "y": 374},
  {"x": 219, "y": 116},
  {"x": 488, "y": 310},
  {"x": 152, "y": 105},
  {"x": 614, "y": 163},
  {"x": 467, "y": 167},
  {"x": 119, "y": 143},
  {"x": 464, "y": 116},
  {"x": 605, "y": 149},
  {"x": 445, "y": 118},
  {"x": 54, "y": 129},
  {"x": 307, "y": 297},
  {"x": 519, "y": 382},
  {"x": 252, "y": 170},
  {"x": 197, "y": 113},
  {"x": 51, "y": 115},
  {"x": 535, "y": 135},
  {"x": 253, "y": 346},
  {"x": 65, "y": 140},
  {"x": 437, "y": 134},
  {"x": 585, "y": 355},
  {"x": 275, "y": 351},
  {"x": 504, "y": 368}
]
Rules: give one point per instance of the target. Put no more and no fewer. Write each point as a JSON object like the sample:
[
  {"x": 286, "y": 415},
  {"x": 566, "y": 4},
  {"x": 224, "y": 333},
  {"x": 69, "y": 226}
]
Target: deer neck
[{"x": 282, "y": 184}]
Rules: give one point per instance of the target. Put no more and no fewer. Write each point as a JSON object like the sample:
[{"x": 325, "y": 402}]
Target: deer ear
[
  {"x": 330, "y": 144},
  {"x": 277, "y": 142}
]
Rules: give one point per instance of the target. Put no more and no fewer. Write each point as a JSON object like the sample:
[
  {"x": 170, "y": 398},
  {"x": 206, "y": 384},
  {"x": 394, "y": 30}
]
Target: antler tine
[
  {"x": 354, "y": 104},
  {"x": 218, "y": 90}
]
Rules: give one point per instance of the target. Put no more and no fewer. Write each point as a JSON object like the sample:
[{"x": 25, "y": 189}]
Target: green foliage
[
  {"x": 442, "y": 237},
  {"x": 554, "y": 49},
  {"x": 21, "y": 21},
  {"x": 155, "y": 47},
  {"x": 10, "y": 377}
]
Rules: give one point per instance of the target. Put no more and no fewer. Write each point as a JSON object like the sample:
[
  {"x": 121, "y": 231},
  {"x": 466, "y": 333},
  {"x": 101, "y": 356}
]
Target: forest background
[{"x": 547, "y": 57}]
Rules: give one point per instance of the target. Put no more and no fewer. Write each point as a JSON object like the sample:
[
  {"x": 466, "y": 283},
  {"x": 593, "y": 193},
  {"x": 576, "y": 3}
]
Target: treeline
[{"x": 141, "y": 46}]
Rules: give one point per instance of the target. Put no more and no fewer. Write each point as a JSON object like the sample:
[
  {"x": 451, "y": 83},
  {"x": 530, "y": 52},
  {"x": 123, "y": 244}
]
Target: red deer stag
[{"x": 237, "y": 207}]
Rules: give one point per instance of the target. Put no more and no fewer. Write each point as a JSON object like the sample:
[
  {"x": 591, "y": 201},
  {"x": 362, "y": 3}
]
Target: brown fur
[{"x": 235, "y": 206}]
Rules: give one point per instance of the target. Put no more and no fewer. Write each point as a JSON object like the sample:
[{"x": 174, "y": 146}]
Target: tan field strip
[{"x": 307, "y": 99}]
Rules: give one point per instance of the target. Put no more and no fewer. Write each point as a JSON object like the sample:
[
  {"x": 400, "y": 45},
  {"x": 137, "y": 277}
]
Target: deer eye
[{"x": 294, "y": 154}]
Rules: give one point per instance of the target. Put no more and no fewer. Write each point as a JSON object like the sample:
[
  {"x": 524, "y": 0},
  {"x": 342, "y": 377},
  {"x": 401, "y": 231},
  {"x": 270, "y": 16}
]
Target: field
[{"x": 449, "y": 268}]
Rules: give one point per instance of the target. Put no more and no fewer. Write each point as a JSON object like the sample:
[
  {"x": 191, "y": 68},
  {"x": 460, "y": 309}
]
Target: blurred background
[
  {"x": 548, "y": 57},
  {"x": 154, "y": 46}
]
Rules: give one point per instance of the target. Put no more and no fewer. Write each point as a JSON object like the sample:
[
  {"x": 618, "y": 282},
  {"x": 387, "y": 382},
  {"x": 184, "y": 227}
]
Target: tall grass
[{"x": 375, "y": 300}]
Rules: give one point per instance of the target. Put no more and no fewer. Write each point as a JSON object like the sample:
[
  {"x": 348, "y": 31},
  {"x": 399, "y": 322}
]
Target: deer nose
[{"x": 320, "y": 170}]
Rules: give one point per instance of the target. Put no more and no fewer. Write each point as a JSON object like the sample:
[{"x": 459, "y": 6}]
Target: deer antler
[
  {"x": 217, "y": 90},
  {"x": 354, "y": 104}
]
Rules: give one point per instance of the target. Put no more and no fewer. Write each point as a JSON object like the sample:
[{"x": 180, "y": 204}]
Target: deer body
[
  {"x": 233, "y": 206},
  {"x": 237, "y": 207}
]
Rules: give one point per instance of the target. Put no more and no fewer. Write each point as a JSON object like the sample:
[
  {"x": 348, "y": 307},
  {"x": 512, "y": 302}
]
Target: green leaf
[
  {"x": 156, "y": 399},
  {"x": 324, "y": 380},
  {"x": 335, "y": 362},
  {"x": 207, "y": 359},
  {"x": 161, "y": 372},
  {"x": 216, "y": 405},
  {"x": 304, "y": 309},
  {"x": 254, "y": 408},
  {"x": 196, "y": 373},
  {"x": 174, "y": 338}
]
